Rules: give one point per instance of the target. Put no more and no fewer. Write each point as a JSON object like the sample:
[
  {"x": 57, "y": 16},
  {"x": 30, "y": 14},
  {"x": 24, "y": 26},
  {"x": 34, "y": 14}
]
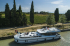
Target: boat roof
[{"x": 48, "y": 30}]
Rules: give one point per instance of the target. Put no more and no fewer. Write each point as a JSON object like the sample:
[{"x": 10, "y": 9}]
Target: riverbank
[
  {"x": 12, "y": 36},
  {"x": 6, "y": 33}
]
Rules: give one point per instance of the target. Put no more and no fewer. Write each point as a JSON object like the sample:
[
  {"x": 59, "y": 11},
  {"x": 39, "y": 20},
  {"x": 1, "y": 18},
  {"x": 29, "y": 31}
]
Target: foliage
[
  {"x": 24, "y": 19},
  {"x": 68, "y": 15},
  {"x": 0, "y": 20},
  {"x": 14, "y": 14},
  {"x": 20, "y": 17},
  {"x": 56, "y": 14},
  {"x": 50, "y": 19},
  {"x": 7, "y": 11},
  {"x": 0, "y": 15},
  {"x": 62, "y": 19},
  {"x": 7, "y": 16},
  {"x": 32, "y": 13}
]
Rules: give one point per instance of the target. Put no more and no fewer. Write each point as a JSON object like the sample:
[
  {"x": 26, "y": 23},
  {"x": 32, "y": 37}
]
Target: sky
[{"x": 39, "y": 5}]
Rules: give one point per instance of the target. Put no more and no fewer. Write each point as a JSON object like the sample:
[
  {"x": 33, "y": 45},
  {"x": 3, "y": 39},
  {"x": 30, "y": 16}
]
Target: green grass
[{"x": 37, "y": 19}]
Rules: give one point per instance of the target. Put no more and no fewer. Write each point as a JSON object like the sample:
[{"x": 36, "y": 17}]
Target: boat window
[
  {"x": 30, "y": 37},
  {"x": 32, "y": 33},
  {"x": 48, "y": 34}
]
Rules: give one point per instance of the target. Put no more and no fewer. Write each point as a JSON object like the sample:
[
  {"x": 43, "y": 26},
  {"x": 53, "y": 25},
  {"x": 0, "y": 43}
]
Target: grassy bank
[{"x": 11, "y": 31}]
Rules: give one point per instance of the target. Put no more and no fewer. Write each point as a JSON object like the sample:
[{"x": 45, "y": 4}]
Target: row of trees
[
  {"x": 52, "y": 19},
  {"x": 13, "y": 17},
  {"x": 63, "y": 18}
]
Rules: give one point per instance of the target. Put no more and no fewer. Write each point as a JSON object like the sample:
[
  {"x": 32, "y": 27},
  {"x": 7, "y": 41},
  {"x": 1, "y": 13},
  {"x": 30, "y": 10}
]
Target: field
[{"x": 38, "y": 18}]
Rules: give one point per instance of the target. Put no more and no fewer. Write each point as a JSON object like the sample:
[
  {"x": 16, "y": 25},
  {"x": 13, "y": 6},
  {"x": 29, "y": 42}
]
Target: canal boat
[{"x": 43, "y": 34}]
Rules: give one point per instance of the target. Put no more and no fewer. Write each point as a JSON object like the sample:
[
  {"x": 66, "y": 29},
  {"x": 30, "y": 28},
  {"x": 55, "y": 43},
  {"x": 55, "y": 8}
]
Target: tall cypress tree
[
  {"x": 32, "y": 13},
  {"x": 68, "y": 15},
  {"x": 14, "y": 14},
  {"x": 20, "y": 11},
  {"x": 7, "y": 16},
  {"x": 14, "y": 9},
  {"x": 10, "y": 17},
  {"x": 0, "y": 20},
  {"x": 7, "y": 11},
  {"x": 0, "y": 15},
  {"x": 56, "y": 14},
  {"x": 20, "y": 16}
]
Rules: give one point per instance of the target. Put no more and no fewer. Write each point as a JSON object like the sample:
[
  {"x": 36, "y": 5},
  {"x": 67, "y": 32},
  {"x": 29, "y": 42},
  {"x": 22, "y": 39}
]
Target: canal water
[{"x": 64, "y": 41}]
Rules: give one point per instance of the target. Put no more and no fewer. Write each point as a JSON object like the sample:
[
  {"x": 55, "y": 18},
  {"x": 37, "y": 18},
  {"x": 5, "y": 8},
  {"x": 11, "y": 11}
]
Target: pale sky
[{"x": 39, "y": 5}]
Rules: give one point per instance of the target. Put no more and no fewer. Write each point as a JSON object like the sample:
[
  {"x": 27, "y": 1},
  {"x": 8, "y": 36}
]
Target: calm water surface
[{"x": 64, "y": 41}]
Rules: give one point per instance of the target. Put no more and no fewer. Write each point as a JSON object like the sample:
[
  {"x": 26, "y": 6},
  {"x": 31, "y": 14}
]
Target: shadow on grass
[{"x": 13, "y": 43}]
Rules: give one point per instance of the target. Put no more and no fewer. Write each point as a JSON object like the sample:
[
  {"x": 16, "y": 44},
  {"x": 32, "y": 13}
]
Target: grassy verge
[{"x": 11, "y": 31}]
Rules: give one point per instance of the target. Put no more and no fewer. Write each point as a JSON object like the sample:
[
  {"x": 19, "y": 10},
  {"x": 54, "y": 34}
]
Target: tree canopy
[
  {"x": 68, "y": 15},
  {"x": 62, "y": 19},
  {"x": 56, "y": 14},
  {"x": 32, "y": 13},
  {"x": 50, "y": 19}
]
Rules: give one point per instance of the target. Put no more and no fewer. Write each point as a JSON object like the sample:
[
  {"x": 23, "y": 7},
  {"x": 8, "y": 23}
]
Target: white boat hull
[{"x": 36, "y": 39}]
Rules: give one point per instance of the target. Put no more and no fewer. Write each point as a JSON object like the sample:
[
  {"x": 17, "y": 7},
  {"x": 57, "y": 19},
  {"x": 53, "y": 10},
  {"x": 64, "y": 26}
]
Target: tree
[
  {"x": 11, "y": 18},
  {"x": 62, "y": 19},
  {"x": 14, "y": 14},
  {"x": 0, "y": 20},
  {"x": 42, "y": 12},
  {"x": 32, "y": 13},
  {"x": 20, "y": 15},
  {"x": 56, "y": 14},
  {"x": 7, "y": 11},
  {"x": 7, "y": 16},
  {"x": 14, "y": 9},
  {"x": 50, "y": 19},
  {"x": 0, "y": 15},
  {"x": 24, "y": 21},
  {"x": 68, "y": 15}
]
